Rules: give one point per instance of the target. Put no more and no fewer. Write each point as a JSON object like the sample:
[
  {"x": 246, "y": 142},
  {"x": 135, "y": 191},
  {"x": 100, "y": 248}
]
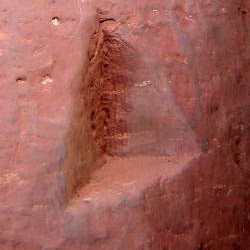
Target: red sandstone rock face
[{"x": 124, "y": 125}]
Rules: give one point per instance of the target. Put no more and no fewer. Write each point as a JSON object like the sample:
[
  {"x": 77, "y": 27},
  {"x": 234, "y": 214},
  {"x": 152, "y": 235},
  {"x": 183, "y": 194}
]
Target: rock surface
[{"x": 124, "y": 125}]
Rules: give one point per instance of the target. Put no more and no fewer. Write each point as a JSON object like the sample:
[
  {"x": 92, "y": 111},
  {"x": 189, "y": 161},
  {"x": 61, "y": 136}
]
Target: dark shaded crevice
[
  {"x": 99, "y": 125},
  {"x": 110, "y": 62}
]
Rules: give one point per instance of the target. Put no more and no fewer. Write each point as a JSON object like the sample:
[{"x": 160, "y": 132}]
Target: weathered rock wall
[{"x": 183, "y": 84}]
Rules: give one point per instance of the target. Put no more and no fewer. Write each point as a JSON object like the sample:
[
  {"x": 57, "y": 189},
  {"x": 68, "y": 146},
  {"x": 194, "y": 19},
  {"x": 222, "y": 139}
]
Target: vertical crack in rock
[
  {"x": 99, "y": 126},
  {"x": 110, "y": 61}
]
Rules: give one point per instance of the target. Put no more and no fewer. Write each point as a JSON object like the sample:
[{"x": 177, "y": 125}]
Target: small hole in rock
[
  {"x": 55, "y": 21},
  {"x": 242, "y": 11},
  {"x": 21, "y": 80},
  {"x": 46, "y": 79}
]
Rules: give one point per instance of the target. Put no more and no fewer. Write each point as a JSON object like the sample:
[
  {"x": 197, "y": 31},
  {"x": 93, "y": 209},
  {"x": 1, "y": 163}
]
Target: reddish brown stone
[{"x": 124, "y": 125}]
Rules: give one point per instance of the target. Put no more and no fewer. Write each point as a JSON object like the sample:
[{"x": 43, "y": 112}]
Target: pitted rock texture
[{"x": 124, "y": 125}]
